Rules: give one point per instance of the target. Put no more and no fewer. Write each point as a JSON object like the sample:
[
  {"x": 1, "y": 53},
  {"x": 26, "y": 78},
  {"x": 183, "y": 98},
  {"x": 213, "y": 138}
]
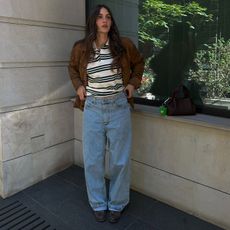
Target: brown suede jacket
[{"x": 132, "y": 67}]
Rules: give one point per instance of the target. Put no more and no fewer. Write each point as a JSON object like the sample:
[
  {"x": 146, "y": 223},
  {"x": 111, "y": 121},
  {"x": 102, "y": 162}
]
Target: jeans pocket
[
  {"x": 122, "y": 103},
  {"x": 88, "y": 104}
]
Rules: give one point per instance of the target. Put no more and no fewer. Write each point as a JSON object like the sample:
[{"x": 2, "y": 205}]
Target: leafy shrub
[{"x": 213, "y": 69}]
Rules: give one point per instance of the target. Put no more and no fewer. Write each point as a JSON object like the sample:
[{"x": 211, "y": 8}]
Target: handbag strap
[{"x": 178, "y": 89}]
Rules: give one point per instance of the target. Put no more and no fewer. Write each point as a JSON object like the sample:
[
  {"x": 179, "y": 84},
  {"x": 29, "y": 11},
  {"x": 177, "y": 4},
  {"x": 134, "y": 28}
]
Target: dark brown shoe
[
  {"x": 100, "y": 215},
  {"x": 114, "y": 216}
]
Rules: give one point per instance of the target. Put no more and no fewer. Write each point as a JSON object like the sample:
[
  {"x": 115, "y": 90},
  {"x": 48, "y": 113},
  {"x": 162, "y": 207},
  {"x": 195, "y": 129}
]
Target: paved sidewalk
[{"x": 60, "y": 202}]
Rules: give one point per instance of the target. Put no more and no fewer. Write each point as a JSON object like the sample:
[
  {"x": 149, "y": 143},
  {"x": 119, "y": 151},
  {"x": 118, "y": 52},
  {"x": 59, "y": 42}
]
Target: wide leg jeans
[{"x": 107, "y": 122}]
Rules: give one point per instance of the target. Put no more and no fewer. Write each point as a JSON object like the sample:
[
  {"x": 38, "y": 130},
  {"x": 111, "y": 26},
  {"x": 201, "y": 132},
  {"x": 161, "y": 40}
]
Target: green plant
[
  {"x": 213, "y": 69},
  {"x": 156, "y": 17}
]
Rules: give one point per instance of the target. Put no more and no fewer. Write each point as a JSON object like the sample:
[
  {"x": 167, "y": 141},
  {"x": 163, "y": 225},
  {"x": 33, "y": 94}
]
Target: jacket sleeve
[
  {"x": 73, "y": 67},
  {"x": 136, "y": 64}
]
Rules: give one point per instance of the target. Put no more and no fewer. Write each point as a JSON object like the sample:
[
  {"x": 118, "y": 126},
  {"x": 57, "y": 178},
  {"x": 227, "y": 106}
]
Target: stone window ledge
[{"x": 198, "y": 119}]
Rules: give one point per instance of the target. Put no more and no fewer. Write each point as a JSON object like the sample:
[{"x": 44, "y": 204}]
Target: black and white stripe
[{"x": 102, "y": 80}]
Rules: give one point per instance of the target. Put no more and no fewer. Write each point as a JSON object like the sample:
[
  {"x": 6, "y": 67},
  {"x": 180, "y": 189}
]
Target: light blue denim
[{"x": 106, "y": 121}]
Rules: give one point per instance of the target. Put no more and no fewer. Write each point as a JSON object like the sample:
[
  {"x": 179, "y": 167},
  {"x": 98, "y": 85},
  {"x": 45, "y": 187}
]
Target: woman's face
[{"x": 103, "y": 21}]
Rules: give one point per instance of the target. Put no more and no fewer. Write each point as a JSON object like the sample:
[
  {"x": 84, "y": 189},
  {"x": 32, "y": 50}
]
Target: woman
[{"x": 105, "y": 69}]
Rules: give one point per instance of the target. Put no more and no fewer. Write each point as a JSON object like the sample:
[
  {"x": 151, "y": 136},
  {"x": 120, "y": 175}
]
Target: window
[{"x": 186, "y": 42}]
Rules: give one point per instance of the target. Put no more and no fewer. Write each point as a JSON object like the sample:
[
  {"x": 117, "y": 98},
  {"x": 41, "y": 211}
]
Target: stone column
[{"x": 36, "y": 115}]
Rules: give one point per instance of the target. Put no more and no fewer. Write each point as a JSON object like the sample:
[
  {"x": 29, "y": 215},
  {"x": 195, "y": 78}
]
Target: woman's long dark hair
[{"x": 115, "y": 44}]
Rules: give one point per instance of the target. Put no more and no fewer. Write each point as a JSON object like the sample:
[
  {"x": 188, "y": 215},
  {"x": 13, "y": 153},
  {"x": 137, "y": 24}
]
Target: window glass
[{"x": 186, "y": 42}]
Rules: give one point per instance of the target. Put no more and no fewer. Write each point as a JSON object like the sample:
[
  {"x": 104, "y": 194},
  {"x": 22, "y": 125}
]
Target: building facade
[{"x": 181, "y": 161}]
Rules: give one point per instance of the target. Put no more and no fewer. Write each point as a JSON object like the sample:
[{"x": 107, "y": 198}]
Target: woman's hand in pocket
[
  {"x": 81, "y": 92},
  {"x": 129, "y": 90}
]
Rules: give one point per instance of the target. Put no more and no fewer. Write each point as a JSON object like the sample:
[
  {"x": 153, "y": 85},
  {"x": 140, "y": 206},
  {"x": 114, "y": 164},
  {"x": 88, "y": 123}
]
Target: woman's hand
[
  {"x": 81, "y": 92},
  {"x": 129, "y": 89}
]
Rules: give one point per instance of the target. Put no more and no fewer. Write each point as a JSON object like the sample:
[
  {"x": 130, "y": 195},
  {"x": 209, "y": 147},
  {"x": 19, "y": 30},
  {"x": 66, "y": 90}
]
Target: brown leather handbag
[{"x": 180, "y": 103}]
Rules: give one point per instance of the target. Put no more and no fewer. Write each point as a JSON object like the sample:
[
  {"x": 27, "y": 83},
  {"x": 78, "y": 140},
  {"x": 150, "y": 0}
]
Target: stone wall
[
  {"x": 36, "y": 115},
  {"x": 184, "y": 162}
]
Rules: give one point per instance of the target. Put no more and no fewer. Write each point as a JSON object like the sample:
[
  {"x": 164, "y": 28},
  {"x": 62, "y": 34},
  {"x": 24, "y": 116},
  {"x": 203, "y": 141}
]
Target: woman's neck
[{"x": 101, "y": 40}]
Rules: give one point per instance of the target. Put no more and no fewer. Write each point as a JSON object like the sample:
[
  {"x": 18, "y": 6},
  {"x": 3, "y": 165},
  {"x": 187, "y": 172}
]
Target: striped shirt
[{"x": 102, "y": 80}]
